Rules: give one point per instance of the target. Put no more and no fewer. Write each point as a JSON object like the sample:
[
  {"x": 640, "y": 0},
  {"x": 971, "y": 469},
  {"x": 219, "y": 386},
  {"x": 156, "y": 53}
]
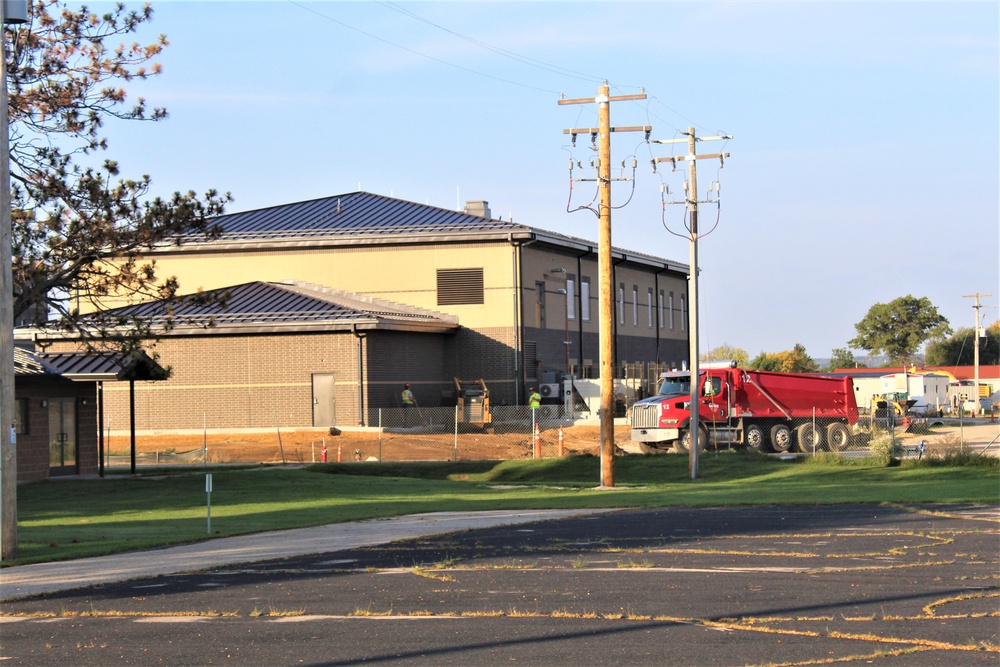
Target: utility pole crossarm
[
  {"x": 615, "y": 98},
  {"x": 718, "y": 137},
  {"x": 595, "y": 130},
  {"x": 703, "y": 156}
]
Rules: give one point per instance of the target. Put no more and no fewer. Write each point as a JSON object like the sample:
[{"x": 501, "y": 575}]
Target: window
[
  {"x": 683, "y": 313},
  {"x": 571, "y": 298},
  {"x": 635, "y": 305},
  {"x": 621, "y": 303},
  {"x": 659, "y": 305},
  {"x": 670, "y": 310},
  {"x": 460, "y": 287},
  {"x": 649, "y": 306},
  {"x": 585, "y": 299},
  {"x": 540, "y": 305},
  {"x": 21, "y": 416}
]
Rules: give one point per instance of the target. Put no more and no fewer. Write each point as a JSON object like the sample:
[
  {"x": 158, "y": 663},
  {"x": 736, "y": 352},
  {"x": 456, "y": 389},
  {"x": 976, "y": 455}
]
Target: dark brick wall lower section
[
  {"x": 551, "y": 348},
  {"x": 431, "y": 362}
]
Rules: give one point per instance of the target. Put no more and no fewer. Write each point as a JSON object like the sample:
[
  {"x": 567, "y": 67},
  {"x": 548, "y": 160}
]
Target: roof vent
[{"x": 478, "y": 207}]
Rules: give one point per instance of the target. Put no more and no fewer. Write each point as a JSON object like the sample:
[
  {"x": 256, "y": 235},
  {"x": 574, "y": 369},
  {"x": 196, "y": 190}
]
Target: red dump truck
[{"x": 757, "y": 409}]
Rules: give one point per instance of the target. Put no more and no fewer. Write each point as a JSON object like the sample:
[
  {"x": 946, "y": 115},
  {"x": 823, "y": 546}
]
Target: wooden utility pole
[
  {"x": 10, "y": 12},
  {"x": 975, "y": 332},
  {"x": 691, "y": 200},
  {"x": 602, "y": 136}
]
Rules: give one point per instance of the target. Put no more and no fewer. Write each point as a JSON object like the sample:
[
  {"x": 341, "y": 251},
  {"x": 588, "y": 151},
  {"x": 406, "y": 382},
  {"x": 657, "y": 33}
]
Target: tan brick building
[{"x": 409, "y": 293}]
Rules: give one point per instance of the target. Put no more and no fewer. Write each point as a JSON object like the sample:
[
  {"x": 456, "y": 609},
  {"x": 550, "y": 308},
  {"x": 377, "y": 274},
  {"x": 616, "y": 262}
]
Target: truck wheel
[
  {"x": 837, "y": 436},
  {"x": 809, "y": 438},
  {"x": 754, "y": 438},
  {"x": 683, "y": 444},
  {"x": 781, "y": 437}
]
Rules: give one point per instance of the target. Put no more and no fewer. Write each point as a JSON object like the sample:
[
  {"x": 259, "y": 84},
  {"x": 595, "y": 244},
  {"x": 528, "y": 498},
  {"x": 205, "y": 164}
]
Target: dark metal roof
[
  {"x": 362, "y": 218},
  {"x": 27, "y": 362},
  {"x": 353, "y": 214},
  {"x": 87, "y": 365},
  {"x": 109, "y": 366},
  {"x": 278, "y": 305}
]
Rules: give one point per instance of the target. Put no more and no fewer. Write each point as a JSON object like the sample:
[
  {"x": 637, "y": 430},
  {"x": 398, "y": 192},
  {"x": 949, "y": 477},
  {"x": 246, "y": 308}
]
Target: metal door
[
  {"x": 62, "y": 436},
  {"x": 324, "y": 399}
]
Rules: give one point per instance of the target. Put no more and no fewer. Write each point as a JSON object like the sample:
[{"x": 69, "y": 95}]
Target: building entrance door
[
  {"x": 62, "y": 436},
  {"x": 324, "y": 400}
]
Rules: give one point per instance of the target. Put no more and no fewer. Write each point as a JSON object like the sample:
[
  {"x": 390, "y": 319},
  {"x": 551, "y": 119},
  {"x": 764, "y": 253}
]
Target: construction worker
[
  {"x": 408, "y": 402},
  {"x": 534, "y": 401}
]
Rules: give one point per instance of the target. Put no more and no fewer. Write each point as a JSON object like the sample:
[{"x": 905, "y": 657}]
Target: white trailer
[{"x": 929, "y": 391}]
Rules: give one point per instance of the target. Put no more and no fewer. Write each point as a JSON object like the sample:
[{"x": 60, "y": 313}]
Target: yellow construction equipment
[
  {"x": 473, "y": 401},
  {"x": 899, "y": 402}
]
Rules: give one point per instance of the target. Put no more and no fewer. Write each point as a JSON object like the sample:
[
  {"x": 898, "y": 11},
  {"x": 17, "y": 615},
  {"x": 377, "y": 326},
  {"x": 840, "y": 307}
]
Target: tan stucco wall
[{"x": 406, "y": 275}]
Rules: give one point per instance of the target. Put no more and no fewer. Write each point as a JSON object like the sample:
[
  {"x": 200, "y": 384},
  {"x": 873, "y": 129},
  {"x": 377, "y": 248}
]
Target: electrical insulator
[
  {"x": 571, "y": 164},
  {"x": 635, "y": 163}
]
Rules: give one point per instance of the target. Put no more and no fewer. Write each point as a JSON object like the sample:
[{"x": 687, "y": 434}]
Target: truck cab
[{"x": 662, "y": 420}]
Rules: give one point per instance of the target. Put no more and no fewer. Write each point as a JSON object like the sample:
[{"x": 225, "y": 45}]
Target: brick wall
[
  {"x": 237, "y": 382},
  {"x": 33, "y": 445}
]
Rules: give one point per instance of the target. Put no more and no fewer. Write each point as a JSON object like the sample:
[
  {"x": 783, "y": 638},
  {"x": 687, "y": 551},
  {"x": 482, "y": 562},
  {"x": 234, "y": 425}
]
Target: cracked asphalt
[{"x": 778, "y": 585}]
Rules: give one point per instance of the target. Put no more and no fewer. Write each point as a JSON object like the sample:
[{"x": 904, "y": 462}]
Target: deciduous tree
[
  {"x": 795, "y": 360},
  {"x": 959, "y": 349},
  {"x": 80, "y": 229},
  {"x": 842, "y": 357},
  {"x": 898, "y": 328},
  {"x": 727, "y": 352}
]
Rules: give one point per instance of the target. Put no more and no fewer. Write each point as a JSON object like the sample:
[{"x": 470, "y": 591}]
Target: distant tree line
[{"x": 895, "y": 330}]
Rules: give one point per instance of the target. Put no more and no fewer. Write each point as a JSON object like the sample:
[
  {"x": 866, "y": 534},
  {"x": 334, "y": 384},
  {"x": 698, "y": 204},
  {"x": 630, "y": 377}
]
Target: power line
[
  {"x": 423, "y": 55},
  {"x": 548, "y": 67},
  {"x": 527, "y": 60}
]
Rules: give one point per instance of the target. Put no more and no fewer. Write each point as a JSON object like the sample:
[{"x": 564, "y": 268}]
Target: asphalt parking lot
[{"x": 778, "y": 585}]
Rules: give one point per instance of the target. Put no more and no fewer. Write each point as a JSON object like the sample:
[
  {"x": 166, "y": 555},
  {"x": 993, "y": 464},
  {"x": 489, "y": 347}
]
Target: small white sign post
[{"x": 208, "y": 492}]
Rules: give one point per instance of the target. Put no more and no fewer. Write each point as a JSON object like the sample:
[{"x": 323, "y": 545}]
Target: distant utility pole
[
  {"x": 975, "y": 358},
  {"x": 691, "y": 200},
  {"x": 602, "y": 134}
]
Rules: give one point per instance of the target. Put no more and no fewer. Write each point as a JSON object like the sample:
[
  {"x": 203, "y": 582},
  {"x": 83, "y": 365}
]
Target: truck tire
[
  {"x": 683, "y": 443},
  {"x": 838, "y": 436},
  {"x": 809, "y": 437},
  {"x": 754, "y": 438},
  {"x": 781, "y": 437}
]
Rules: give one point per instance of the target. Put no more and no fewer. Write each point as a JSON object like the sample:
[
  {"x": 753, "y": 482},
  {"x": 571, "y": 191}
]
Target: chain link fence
[
  {"x": 399, "y": 434},
  {"x": 517, "y": 432}
]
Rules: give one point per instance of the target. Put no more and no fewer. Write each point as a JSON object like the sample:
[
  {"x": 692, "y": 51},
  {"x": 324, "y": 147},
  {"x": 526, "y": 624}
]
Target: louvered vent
[{"x": 459, "y": 286}]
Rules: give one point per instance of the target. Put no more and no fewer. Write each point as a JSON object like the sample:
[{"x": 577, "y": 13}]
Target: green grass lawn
[{"x": 77, "y": 518}]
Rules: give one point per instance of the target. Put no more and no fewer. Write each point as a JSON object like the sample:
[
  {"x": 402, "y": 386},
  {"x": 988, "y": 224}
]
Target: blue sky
[{"x": 864, "y": 163}]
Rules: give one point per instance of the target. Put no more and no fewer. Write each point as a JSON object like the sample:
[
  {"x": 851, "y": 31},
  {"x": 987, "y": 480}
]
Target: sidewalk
[{"x": 29, "y": 580}]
